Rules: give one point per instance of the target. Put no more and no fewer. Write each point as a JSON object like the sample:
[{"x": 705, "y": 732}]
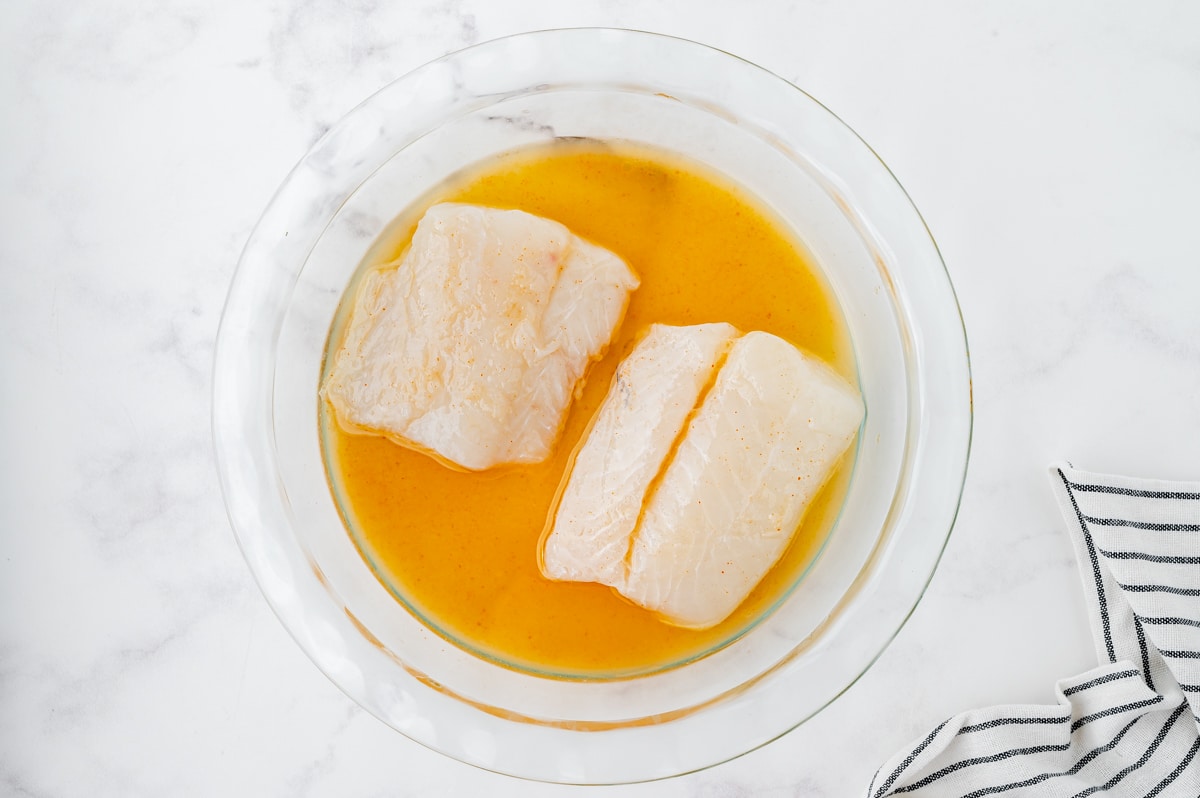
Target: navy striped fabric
[{"x": 1131, "y": 726}]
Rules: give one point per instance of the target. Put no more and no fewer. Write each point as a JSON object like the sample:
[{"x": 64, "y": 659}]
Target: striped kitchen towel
[{"x": 1131, "y": 727}]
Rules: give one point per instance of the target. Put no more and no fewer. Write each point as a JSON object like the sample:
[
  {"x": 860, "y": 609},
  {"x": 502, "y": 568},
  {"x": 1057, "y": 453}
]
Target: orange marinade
[{"x": 460, "y": 549}]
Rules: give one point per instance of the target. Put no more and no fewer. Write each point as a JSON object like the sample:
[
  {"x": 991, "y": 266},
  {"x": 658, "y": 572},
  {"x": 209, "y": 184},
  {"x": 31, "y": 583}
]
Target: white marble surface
[{"x": 1054, "y": 150}]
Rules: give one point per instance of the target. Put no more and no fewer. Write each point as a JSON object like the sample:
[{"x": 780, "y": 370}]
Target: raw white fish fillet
[
  {"x": 684, "y": 511},
  {"x": 765, "y": 440},
  {"x": 653, "y": 391},
  {"x": 472, "y": 347}
]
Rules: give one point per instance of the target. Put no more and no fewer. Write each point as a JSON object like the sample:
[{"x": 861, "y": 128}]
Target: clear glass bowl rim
[{"x": 227, "y": 347}]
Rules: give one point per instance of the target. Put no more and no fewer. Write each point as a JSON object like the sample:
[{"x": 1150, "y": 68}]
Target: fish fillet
[
  {"x": 698, "y": 522},
  {"x": 654, "y": 389},
  {"x": 471, "y": 348},
  {"x": 763, "y": 443}
]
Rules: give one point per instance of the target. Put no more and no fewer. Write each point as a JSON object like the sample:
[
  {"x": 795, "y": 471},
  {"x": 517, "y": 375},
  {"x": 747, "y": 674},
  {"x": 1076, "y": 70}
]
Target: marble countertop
[{"x": 1054, "y": 150}]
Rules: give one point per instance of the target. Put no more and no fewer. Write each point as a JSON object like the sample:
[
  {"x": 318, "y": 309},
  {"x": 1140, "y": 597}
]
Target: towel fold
[{"x": 1131, "y": 726}]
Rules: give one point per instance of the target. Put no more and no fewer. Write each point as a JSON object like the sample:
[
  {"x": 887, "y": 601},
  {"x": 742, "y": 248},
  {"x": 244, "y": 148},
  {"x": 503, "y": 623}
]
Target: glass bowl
[{"x": 785, "y": 149}]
